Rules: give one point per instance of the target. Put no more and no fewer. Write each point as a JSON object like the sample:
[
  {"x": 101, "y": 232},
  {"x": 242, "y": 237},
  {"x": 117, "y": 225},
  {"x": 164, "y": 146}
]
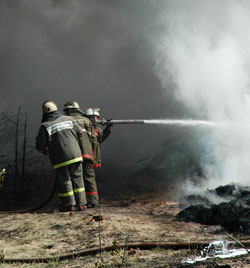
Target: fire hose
[
  {"x": 116, "y": 121},
  {"x": 94, "y": 251}
]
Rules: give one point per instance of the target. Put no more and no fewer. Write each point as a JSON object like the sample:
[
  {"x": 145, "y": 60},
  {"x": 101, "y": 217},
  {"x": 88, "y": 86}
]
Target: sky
[{"x": 135, "y": 59}]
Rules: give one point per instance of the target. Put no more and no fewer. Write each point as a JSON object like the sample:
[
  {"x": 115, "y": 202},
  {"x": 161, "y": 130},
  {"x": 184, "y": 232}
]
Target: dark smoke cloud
[{"x": 94, "y": 52}]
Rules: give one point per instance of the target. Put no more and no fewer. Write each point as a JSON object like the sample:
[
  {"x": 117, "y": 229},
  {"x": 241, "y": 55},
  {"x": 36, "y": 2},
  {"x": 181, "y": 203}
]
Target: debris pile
[{"x": 227, "y": 206}]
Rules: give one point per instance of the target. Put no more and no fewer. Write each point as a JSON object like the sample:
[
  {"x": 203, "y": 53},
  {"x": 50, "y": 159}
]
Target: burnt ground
[
  {"x": 130, "y": 213},
  {"x": 227, "y": 206}
]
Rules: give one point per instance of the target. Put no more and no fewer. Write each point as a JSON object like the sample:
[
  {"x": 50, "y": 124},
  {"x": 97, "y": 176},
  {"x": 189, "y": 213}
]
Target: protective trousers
[
  {"x": 70, "y": 185},
  {"x": 90, "y": 183}
]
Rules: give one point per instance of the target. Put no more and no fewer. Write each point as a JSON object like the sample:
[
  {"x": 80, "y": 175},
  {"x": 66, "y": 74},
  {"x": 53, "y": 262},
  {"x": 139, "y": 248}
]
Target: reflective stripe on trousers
[
  {"x": 65, "y": 194},
  {"x": 79, "y": 190}
]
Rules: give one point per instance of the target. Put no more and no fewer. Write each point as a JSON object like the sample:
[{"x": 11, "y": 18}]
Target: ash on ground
[{"x": 227, "y": 206}]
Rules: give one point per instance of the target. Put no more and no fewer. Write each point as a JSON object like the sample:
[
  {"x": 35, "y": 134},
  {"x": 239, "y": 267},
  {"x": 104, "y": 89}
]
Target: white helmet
[
  {"x": 93, "y": 111},
  {"x": 49, "y": 107},
  {"x": 71, "y": 105}
]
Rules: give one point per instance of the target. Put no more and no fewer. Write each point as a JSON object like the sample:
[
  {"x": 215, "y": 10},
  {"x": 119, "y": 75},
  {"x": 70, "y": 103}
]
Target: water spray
[{"x": 188, "y": 122}]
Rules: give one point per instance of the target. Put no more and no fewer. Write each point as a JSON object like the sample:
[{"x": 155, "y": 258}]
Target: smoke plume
[{"x": 203, "y": 49}]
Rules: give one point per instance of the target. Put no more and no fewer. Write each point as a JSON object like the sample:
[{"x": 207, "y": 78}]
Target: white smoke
[{"x": 203, "y": 48}]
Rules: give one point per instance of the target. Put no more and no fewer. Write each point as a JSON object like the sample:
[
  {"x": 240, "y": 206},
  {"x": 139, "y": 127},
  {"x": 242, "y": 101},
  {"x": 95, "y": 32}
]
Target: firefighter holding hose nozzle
[{"x": 94, "y": 115}]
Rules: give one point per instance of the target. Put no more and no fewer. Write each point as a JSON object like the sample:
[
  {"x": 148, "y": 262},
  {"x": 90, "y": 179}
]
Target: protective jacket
[
  {"x": 101, "y": 135},
  {"x": 89, "y": 139},
  {"x": 60, "y": 138}
]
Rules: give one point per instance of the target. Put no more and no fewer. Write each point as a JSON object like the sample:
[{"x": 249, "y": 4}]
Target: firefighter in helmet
[
  {"x": 60, "y": 138},
  {"x": 72, "y": 109},
  {"x": 94, "y": 114}
]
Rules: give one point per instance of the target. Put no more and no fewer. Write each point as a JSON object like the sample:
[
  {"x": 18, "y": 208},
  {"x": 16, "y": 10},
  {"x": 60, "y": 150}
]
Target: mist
[{"x": 136, "y": 59}]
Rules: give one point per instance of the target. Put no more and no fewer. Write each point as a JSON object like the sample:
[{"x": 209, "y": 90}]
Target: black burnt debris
[{"x": 228, "y": 206}]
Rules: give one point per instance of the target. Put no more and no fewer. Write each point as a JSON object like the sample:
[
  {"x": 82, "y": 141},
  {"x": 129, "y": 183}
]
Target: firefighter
[
  {"x": 60, "y": 139},
  {"x": 72, "y": 108},
  {"x": 94, "y": 115}
]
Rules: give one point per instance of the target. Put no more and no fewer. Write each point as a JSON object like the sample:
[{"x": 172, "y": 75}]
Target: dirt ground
[{"x": 49, "y": 233}]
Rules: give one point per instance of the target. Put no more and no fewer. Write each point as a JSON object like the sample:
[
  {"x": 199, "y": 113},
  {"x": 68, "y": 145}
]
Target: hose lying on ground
[{"x": 93, "y": 251}]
